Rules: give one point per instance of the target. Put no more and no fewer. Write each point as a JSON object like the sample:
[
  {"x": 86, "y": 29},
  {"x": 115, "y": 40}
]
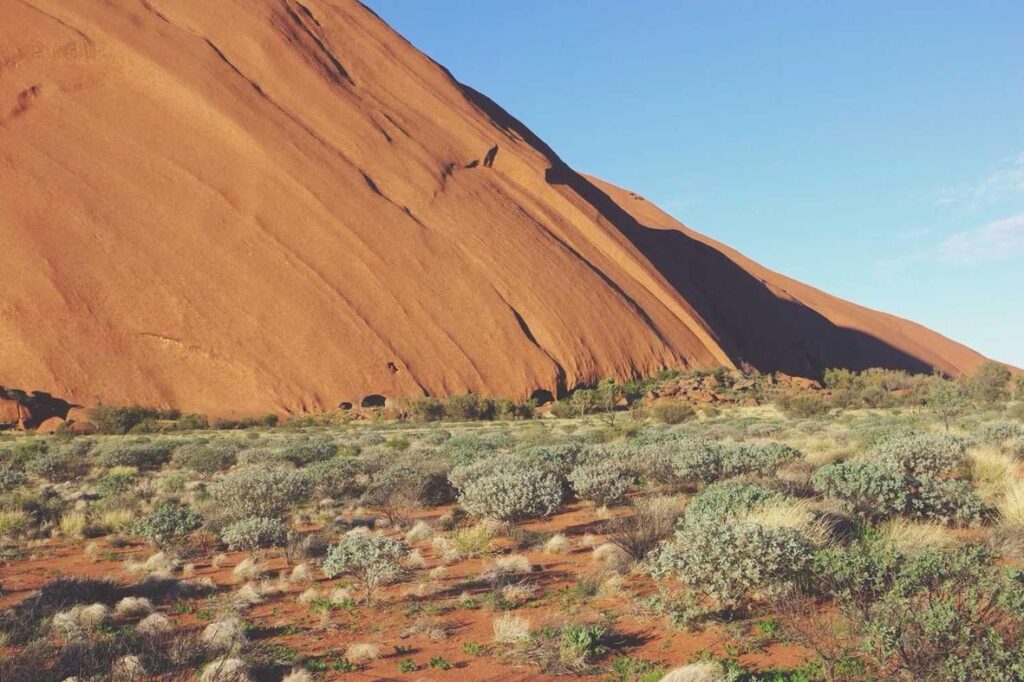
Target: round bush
[
  {"x": 732, "y": 562},
  {"x": 255, "y": 533},
  {"x": 696, "y": 461},
  {"x": 167, "y": 523},
  {"x": 310, "y": 451},
  {"x": 58, "y": 466},
  {"x": 512, "y": 495},
  {"x": 267, "y": 493},
  {"x": 1000, "y": 431},
  {"x": 10, "y": 479},
  {"x": 672, "y": 412},
  {"x": 140, "y": 455},
  {"x": 865, "y": 488},
  {"x": 924, "y": 453},
  {"x": 602, "y": 484},
  {"x": 761, "y": 459},
  {"x": 204, "y": 459},
  {"x": 341, "y": 477},
  {"x": 721, "y": 502}
]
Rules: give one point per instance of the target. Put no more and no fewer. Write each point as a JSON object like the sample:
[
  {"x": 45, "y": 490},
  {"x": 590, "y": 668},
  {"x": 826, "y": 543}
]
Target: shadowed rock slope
[{"x": 251, "y": 205}]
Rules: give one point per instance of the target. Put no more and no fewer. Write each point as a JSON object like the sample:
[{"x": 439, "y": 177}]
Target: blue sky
[{"x": 873, "y": 149}]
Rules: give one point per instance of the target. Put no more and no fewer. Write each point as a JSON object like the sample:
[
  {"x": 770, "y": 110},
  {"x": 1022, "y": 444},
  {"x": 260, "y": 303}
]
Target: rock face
[{"x": 249, "y": 205}]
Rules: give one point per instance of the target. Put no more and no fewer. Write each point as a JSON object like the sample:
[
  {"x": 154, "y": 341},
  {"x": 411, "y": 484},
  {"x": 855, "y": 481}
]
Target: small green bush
[
  {"x": 371, "y": 559},
  {"x": 266, "y": 493},
  {"x": 114, "y": 420},
  {"x": 1000, "y": 431},
  {"x": 58, "y": 466},
  {"x": 140, "y": 455},
  {"x": 722, "y": 502},
  {"x": 318, "y": 450},
  {"x": 868, "y": 489},
  {"x": 255, "y": 533},
  {"x": 116, "y": 483},
  {"x": 673, "y": 412},
  {"x": 880, "y": 489},
  {"x": 695, "y": 461},
  {"x": 761, "y": 459},
  {"x": 166, "y": 524},
  {"x": 341, "y": 478},
  {"x": 203, "y": 458},
  {"x": 10, "y": 479},
  {"x": 802, "y": 404}
]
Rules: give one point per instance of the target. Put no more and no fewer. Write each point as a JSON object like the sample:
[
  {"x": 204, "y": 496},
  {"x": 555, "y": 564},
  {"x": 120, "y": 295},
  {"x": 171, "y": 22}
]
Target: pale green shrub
[
  {"x": 255, "y": 533},
  {"x": 602, "y": 484},
  {"x": 371, "y": 559},
  {"x": 166, "y": 524},
  {"x": 512, "y": 495},
  {"x": 266, "y": 493}
]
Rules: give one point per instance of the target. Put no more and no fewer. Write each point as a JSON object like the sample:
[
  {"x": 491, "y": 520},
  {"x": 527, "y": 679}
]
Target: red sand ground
[
  {"x": 647, "y": 635},
  {"x": 250, "y": 205}
]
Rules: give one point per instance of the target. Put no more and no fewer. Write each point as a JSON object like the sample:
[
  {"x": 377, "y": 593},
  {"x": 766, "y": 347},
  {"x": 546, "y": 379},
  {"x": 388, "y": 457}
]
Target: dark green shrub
[
  {"x": 120, "y": 420},
  {"x": 427, "y": 409},
  {"x": 468, "y": 407},
  {"x": 672, "y": 412},
  {"x": 318, "y": 450},
  {"x": 166, "y": 524},
  {"x": 58, "y": 466},
  {"x": 10, "y": 479},
  {"x": 116, "y": 483},
  {"x": 802, "y": 404},
  {"x": 204, "y": 458},
  {"x": 140, "y": 455},
  {"x": 990, "y": 383}
]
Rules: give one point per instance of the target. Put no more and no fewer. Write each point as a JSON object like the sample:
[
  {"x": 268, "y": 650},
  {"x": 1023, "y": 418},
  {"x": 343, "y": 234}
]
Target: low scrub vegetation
[{"x": 868, "y": 529}]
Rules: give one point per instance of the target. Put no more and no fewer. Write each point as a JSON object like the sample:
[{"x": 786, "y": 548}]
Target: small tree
[
  {"x": 990, "y": 383},
  {"x": 371, "y": 559},
  {"x": 948, "y": 400}
]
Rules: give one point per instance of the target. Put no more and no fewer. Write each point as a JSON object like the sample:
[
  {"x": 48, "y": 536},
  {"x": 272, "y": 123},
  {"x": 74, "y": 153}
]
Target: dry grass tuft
[
  {"x": 154, "y": 624},
  {"x": 246, "y": 570},
  {"x": 557, "y": 544},
  {"x": 420, "y": 532},
  {"x": 133, "y": 607},
  {"x": 225, "y": 636},
  {"x": 226, "y": 670},
  {"x": 1011, "y": 504},
  {"x": 303, "y": 574},
  {"x": 914, "y": 538},
  {"x": 510, "y": 629},
  {"x": 362, "y": 652}
]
